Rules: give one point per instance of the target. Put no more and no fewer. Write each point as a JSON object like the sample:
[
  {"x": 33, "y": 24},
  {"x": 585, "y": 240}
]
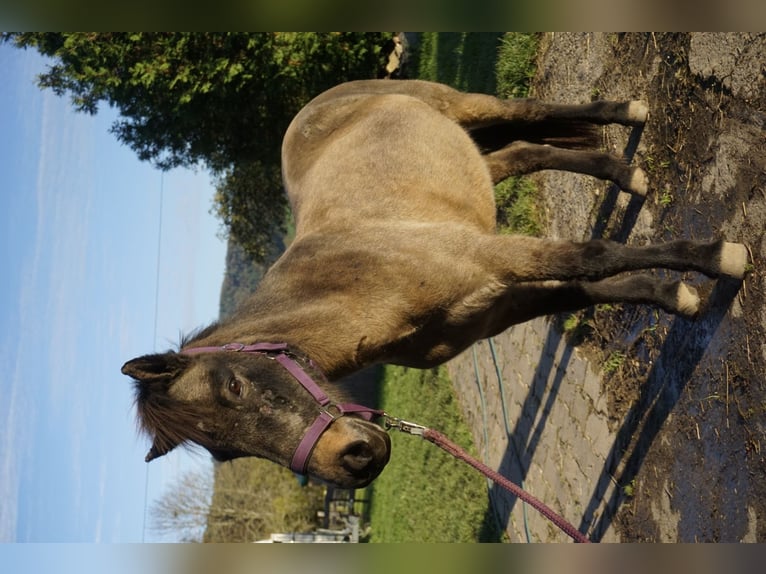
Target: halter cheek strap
[{"x": 324, "y": 419}]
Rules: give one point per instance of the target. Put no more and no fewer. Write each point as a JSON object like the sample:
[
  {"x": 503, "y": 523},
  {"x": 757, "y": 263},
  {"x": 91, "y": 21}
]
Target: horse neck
[{"x": 308, "y": 326}]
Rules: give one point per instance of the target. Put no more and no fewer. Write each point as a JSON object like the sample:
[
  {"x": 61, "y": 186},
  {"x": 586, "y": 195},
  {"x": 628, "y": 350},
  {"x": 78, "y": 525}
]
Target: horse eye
[{"x": 235, "y": 387}]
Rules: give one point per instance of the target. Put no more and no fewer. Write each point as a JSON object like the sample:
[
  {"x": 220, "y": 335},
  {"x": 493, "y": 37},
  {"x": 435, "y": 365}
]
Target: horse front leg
[
  {"x": 526, "y": 301},
  {"x": 514, "y": 258}
]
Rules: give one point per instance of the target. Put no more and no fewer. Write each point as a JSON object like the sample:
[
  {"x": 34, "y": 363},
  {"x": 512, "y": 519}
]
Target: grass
[
  {"x": 517, "y": 206},
  {"x": 517, "y": 197},
  {"x": 463, "y": 60},
  {"x": 424, "y": 494},
  {"x": 516, "y": 64}
]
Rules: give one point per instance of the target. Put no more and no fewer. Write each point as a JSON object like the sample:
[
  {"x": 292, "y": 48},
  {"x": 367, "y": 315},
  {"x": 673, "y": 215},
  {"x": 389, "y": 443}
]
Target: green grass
[
  {"x": 517, "y": 206},
  {"x": 424, "y": 494},
  {"x": 516, "y": 64},
  {"x": 463, "y": 60},
  {"x": 517, "y": 197}
]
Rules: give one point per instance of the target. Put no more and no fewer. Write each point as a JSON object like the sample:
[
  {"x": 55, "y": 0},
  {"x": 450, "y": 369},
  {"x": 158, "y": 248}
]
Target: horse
[{"x": 396, "y": 259}]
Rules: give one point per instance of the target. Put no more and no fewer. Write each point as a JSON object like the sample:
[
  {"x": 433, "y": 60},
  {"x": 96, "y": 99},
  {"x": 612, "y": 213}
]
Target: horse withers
[{"x": 396, "y": 260}]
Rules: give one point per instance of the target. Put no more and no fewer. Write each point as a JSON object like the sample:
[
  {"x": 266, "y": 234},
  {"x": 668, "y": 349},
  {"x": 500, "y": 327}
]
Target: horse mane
[
  {"x": 167, "y": 421},
  {"x": 197, "y": 334}
]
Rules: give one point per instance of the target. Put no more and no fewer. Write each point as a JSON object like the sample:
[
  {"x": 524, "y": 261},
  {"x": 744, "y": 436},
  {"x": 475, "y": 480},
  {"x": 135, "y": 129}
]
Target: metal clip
[{"x": 403, "y": 426}]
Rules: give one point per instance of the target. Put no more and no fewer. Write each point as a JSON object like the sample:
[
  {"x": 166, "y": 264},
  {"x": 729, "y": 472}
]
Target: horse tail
[{"x": 563, "y": 133}]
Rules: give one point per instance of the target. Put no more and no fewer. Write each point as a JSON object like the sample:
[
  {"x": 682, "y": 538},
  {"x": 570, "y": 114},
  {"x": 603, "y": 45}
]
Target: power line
[{"x": 154, "y": 337}]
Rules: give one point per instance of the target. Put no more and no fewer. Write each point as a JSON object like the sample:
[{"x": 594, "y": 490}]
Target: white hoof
[
  {"x": 638, "y": 112},
  {"x": 733, "y": 260},
  {"x": 687, "y": 300},
  {"x": 639, "y": 184}
]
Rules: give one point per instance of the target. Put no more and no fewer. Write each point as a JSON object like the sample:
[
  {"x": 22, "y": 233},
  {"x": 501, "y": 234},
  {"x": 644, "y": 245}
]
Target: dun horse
[{"x": 396, "y": 260}]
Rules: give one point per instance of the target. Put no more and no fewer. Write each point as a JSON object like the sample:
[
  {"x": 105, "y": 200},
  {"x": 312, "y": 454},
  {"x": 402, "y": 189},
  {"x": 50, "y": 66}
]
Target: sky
[{"x": 104, "y": 258}]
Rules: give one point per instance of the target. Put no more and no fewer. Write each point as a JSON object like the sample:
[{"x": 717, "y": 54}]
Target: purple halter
[{"x": 278, "y": 351}]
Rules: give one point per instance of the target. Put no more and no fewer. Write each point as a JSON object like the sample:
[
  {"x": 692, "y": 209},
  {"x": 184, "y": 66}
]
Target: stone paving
[{"x": 552, "y": 433}]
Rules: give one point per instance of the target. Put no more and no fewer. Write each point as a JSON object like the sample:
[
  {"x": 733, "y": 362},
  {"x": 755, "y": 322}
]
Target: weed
[
  {"x": 571, "y": 323},
  {"x": 666, "y": 197},
  {"x": 613, "y": 362},
  {"x": 577, "y": 328},
  {"x": 653, "y": 164}
]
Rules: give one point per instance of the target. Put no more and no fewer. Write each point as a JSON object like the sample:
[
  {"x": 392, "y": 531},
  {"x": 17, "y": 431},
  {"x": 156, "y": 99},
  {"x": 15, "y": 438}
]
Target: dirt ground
[{"x": 684, "y": 401}]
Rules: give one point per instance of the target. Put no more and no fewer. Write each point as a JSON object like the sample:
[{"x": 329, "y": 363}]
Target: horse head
[{"x": 255, "y": 404}]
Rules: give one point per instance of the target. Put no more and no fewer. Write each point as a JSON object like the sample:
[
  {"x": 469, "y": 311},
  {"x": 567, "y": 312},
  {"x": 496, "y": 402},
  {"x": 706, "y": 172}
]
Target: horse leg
[
  {"x": 473, "y": 110},
  {"x": 520, "y": 158},
  {"x": 514, "y": 258},
  {"x": 523, "y": 302}
]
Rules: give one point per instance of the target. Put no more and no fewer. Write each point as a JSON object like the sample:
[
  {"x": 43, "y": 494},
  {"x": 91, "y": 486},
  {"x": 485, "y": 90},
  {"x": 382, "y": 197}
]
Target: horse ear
[{"x": 155, "y": 367}]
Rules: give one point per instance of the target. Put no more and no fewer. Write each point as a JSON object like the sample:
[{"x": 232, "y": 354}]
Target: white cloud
[
  {"x": 64, "y": 195},
  {"x": 17, "y": 420},
  {"x": 9, "y": 470},
  {"x": 102, "y": 480}
]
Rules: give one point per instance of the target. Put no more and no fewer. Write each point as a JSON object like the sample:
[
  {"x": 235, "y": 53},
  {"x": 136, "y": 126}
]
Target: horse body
[{"x": 396, "y": 260}]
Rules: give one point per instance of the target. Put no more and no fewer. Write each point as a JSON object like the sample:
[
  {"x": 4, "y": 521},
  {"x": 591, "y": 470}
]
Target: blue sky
[{"x": 80, "y": 232}]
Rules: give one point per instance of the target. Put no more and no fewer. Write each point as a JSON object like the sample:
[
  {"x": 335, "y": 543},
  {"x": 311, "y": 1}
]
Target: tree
[
  {"x": 252, "y": 205},
  {"x": 242, "y": 501},
  {"x": 218, "y": 100},
  {"x": 214, "y": 98},
  {"x": 183, "y": 509},
  {"x": 254, "y": 497}
]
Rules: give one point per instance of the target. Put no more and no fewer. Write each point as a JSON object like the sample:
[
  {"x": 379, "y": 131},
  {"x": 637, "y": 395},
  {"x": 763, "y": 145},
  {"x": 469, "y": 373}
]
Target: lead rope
[{"x": 444, "y": 443}]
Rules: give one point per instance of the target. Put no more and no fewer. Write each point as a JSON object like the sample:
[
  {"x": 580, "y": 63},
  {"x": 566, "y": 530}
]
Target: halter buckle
[
  {"x": 233, "y": 347},
  {"x": 403, "y": 426}
]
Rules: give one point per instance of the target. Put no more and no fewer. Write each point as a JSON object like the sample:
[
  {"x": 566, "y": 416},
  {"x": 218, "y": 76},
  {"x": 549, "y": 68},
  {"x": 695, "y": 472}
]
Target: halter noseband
[{"x": 280, "y": 353}]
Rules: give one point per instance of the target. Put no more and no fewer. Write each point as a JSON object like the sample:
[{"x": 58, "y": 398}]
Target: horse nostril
[{"x": 357, "y": 456}]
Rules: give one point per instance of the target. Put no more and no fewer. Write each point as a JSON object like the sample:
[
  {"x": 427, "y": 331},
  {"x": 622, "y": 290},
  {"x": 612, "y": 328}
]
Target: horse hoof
[
  {"x": 733, "y": 260},
  {"x": 639, "y": 184},
  {"x": 687, "y": 300},
  {"x": 638, "y": 112}
]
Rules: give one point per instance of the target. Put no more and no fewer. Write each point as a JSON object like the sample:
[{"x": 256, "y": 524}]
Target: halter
[{"x": 281, "y": 353}]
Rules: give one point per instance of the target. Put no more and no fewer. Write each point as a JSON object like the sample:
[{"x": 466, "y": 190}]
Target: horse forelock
[{"x": 167, "y": 421}]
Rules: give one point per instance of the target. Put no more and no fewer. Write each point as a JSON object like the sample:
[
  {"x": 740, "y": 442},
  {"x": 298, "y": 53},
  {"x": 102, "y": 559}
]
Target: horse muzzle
[{"x": 351, "y": 453}]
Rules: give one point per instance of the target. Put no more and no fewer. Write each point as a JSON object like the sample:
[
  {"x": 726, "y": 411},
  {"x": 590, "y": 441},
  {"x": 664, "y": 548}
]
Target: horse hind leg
[
  {"x": 521, "y": 157},
  {"x": 477, "y": 111},
  {"x": 474, "y": 110}
]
